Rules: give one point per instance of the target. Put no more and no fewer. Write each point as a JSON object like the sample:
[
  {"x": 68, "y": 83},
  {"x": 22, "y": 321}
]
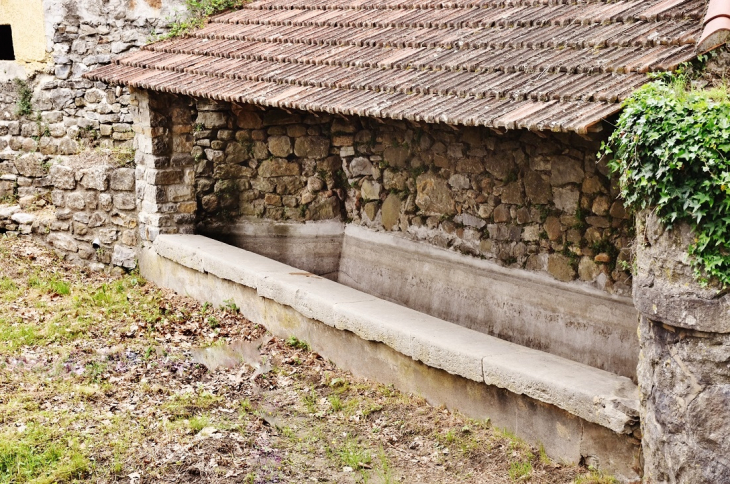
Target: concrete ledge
[{"x": 594, "y": 395}]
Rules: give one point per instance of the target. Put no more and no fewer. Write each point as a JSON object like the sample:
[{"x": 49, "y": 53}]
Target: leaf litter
[{"x": 122, "y": 381}]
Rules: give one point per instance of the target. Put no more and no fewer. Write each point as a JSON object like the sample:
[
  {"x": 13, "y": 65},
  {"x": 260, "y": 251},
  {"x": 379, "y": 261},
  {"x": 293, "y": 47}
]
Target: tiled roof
[{"x": 559, "y": 65}]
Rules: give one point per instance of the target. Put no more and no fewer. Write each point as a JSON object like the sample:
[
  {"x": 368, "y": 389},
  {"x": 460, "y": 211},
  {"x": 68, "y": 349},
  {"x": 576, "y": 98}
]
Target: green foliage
[
  {"x": 24, "y": 103},
  {"x": 196, "y": 15},
  {"x": 295, "y": 342},
  {"x": 671, "y": 150},
  {"x": 230, "y": 305}
]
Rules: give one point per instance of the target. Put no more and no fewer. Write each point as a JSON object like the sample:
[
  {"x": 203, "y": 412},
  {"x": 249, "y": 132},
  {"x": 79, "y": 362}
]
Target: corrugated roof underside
[{"x": 535, "y": 64}]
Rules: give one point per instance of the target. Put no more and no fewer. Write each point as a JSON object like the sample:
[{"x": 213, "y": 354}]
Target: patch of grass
[
  {"x": 246, "y": 406},
  {"x": 294, "y": 342},
  {"x": 187, "y": 405},
  {"x": 353, "y": 455},
  {"x": 16, "y": 335},
  {"x": 50, "y": 285},
  {"x": 213, "y": 322},
  {"x": 198, "y": 423},
  {"x": 520, "y": 470},
  {"x": 335, "y": 402},
  {"x": 36, "y": 456},
  {"x": 384, "y": 471},
  {"x": 595, "y": 477},
  {"x": 544, "y": 459},
  {"x": 196, "y": 15},
  {"x": 310, "y": 400}
]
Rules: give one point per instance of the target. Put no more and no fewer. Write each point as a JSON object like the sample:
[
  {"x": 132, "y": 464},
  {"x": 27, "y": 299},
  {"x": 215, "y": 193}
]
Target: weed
[
  {"x": 335, "y": 402},
  {"x": 230, "y": 305},
  {"x": 352, "y": 455},
  {"x": 246, "y": 406},
  {"x": 310, "y": 401},
  {"x": 52, "y": 285},
  {"x": 196, "y": 15},
  {"x": 24, "y": 103},
  {"x": 294, "y": 342},
  {"x": 384, "y": 472},
  {"x": 186, "y": 405},
  {"x": 213, "y": 322}
]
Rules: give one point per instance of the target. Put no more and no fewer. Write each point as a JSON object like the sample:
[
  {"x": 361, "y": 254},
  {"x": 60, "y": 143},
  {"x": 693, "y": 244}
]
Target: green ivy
[{"x": 670, "y": 149}]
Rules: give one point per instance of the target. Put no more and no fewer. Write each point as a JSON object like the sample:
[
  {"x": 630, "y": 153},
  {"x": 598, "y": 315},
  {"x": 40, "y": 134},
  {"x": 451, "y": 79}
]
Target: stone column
[
  {"x": 165, "y": 171},
  {"x": 684, "y": 364}
]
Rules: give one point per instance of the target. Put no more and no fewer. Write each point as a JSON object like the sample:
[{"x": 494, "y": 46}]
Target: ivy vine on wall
[{"x": 671, "y": 150}]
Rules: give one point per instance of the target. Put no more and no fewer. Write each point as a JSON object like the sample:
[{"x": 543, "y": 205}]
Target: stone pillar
[
  {"x": 684, "y": 364},
  {"x": 165, "y": 172}
]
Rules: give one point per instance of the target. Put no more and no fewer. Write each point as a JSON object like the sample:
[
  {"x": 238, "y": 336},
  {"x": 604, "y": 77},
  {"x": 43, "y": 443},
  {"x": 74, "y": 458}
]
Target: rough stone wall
[
  {"x": 535, "y": 201},
  {"x": 165, "y": 168},
  {"x": 84, "y": 207},
  {"x": 69, "y": 113},
  {"x": 684, "y": 364}
]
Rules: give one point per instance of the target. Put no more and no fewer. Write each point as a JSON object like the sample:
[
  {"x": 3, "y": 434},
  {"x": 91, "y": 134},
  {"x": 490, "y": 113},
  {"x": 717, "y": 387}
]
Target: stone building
[{"x": 418, "y": 175}]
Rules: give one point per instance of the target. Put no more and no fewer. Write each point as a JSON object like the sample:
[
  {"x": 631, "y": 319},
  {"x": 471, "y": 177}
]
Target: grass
[
  {"x": 595, "y": 477},
  {"x": 36, "y": 455},
  {"x": 187, "y": 405},
  {"x": 353, "y": 455},
  {"x": 520, "y": 470}
]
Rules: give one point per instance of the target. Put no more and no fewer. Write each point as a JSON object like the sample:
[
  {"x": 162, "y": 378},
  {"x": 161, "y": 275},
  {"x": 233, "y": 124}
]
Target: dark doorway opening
[{"x": 6, "y": 43}]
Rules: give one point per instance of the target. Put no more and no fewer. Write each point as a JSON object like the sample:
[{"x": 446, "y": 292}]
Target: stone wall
[
  {"x": 69, "y": 113},
  {"x": 684, "y": 364},
  {"x": 526, "y": 200},
  {"x": 84, "y": 207}
]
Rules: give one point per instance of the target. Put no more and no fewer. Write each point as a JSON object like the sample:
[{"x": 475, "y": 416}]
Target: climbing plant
[{"x": 671, "y": 150}]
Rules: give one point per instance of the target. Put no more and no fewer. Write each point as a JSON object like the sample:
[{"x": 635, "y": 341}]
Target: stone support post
[
  {"x": 165, "y": 170},
  {"x": 684, "y": 364}
]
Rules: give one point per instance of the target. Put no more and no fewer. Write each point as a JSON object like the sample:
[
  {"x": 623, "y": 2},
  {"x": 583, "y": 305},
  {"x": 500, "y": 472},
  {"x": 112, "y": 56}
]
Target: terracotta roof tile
[{"x": 538, "y": 64}]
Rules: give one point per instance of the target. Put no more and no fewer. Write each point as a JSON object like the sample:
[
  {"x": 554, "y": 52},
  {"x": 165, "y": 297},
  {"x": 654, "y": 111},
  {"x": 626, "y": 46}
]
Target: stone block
[
  {"x": 370, "y": 190},
  {"x": 30, "y": 165},
  {"x": 280, "y": 146},
  {"x": 63, "y": 177},
  {"x": 361, "y": 166},
  {"x": 396, "y": 156},
  {"x": 124, "y": 257},
  {"x": 122, "y": 179},
  {"x": 63, "y": 242},
  {"x": 390, "y": 211},
  {"x": 560, "y": 267},
  {"x": 96, "y": 178},
  {"x": 124, "y": 201},
  {"x": 566, "y": 170},
  {"x": 277, "y": 167},
  {"x": 434, "y": 196},
  {"x": 212, "y": 119},
  {"x": 316, "y": 147},
  {"x": 75, "y": 201}
]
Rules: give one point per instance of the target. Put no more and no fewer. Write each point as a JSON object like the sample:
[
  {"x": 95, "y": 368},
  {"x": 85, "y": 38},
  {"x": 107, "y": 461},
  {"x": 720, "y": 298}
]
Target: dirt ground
[{"x": 112, "y": 379}]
